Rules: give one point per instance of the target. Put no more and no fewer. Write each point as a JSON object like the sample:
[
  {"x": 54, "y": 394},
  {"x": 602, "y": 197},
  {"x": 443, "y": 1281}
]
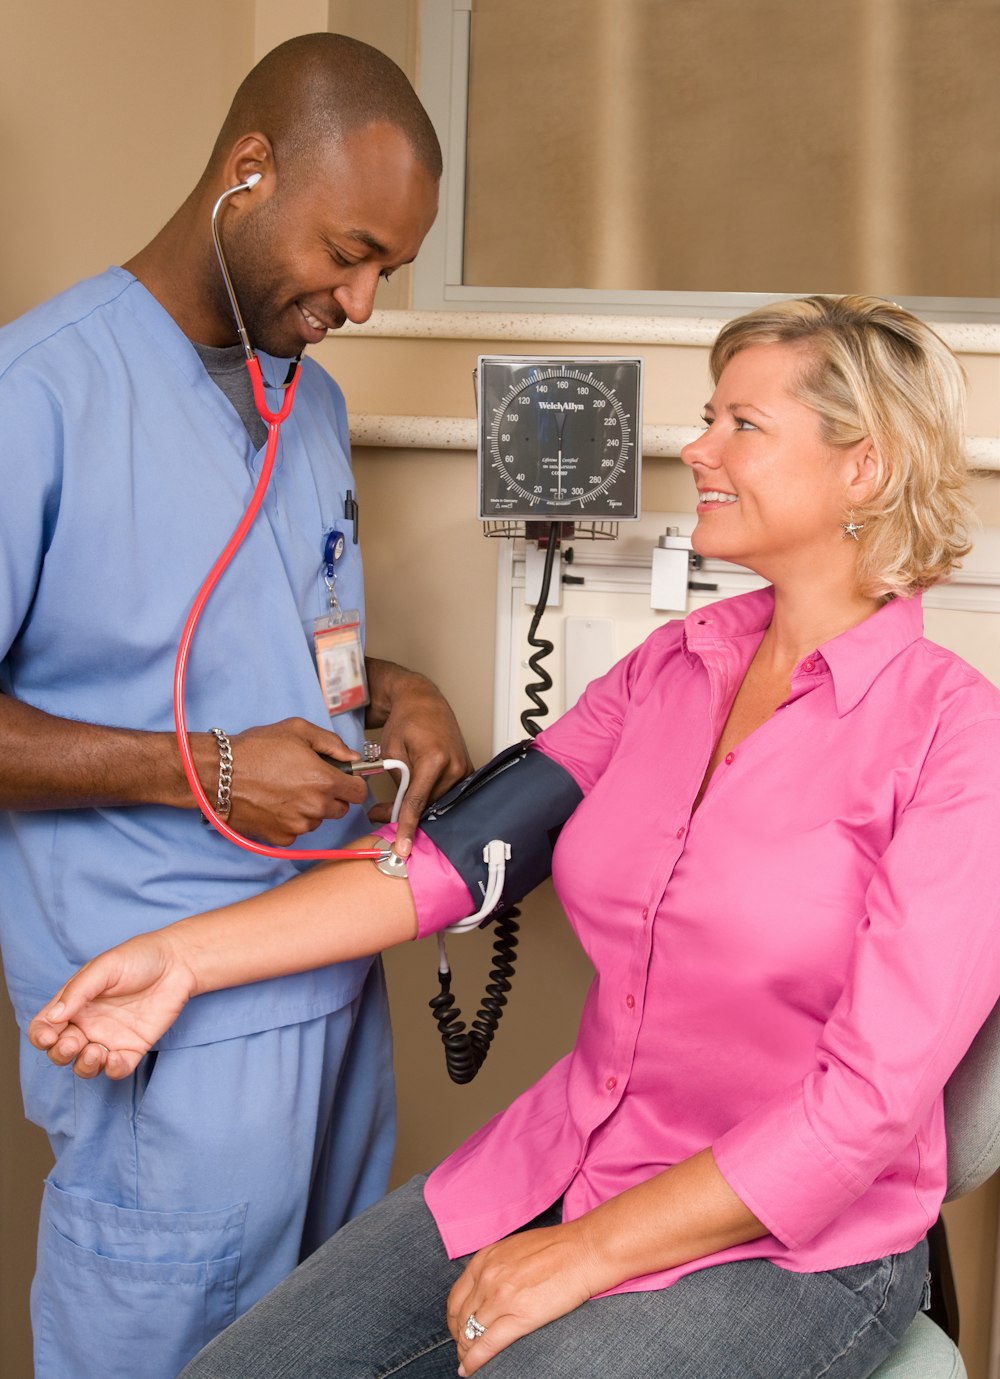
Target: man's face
[{"x": 310, "y": 256}]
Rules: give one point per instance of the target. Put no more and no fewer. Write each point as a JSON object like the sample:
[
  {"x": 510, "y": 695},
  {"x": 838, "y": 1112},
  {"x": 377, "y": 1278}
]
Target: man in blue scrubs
[{"x": 265, "y": 1118}]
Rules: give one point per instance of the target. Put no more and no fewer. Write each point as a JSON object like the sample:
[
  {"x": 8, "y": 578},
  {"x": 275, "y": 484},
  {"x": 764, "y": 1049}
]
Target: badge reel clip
[{"x": 337, "y": 642}]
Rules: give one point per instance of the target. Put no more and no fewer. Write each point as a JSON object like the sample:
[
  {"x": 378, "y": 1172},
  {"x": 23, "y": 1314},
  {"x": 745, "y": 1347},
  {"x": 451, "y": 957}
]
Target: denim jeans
[{"x": 370, "y": 1303}]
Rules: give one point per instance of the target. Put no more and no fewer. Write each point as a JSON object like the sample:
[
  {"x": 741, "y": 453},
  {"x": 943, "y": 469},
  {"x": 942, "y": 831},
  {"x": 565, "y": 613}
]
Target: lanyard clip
[{"x": 333, "y": 549}]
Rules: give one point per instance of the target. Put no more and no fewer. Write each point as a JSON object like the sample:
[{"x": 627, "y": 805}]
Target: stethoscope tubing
[{"x": 273, "y": 421}]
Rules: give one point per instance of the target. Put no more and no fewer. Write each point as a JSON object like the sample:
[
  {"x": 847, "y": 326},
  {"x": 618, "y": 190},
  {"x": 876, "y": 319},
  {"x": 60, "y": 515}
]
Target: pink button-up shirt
[{"x": 789, "y": 974}]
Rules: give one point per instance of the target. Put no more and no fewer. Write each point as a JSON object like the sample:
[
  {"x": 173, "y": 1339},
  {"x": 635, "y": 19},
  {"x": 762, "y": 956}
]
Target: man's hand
[
  {"x": 418, "y": 727},
  {"x": 282, "y": 786},
  {"x": 283, "y": 782}
]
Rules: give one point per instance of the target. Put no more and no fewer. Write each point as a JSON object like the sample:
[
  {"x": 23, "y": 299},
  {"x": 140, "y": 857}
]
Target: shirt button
[
  {"x": 808, "y": 666},
  {"x": 680, "y": 833},
  {"x": 611, "y": 1083},
  {"x": 730, "y": 758},
  {"x": 645, "y": 913},
  {"x": 630, "y": 1002}
]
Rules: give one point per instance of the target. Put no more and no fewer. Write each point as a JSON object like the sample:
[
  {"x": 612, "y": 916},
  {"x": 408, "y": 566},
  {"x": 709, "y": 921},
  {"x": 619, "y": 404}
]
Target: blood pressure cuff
[{"x": 522, "y": 797}]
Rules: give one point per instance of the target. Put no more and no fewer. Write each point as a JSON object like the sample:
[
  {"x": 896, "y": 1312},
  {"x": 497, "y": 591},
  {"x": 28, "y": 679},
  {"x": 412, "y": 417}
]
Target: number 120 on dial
[{"x": 559, "y": 438}]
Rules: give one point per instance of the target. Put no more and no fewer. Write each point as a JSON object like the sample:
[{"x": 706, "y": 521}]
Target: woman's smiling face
[{"x": 772, "y": 492}]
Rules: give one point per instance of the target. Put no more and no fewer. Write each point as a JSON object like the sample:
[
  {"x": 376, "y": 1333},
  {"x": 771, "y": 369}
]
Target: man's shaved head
[{"x": 316, "y": 89}]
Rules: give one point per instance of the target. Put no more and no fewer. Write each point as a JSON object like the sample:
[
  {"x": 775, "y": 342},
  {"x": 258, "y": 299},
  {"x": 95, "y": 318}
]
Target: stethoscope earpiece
[{"x": 245, "y": 186}]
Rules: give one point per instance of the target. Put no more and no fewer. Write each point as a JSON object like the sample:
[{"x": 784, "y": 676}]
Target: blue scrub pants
[{"x": 183, "y": 1194}]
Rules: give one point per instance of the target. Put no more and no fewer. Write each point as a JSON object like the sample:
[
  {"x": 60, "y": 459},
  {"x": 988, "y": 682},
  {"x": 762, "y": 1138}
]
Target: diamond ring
[{"x": 473, "y": 1328}]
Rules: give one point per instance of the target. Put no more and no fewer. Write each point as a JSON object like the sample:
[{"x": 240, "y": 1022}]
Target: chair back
[{"x": 972, "y": 1112}]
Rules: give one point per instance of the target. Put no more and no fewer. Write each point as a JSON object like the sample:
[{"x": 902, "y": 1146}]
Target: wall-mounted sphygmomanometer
[
  {"x": 559, "y": 438},
  {"x": 559, "y": 449}
]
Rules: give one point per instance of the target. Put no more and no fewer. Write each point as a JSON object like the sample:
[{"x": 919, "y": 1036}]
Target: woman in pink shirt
[{"x": 784, "y": 869}]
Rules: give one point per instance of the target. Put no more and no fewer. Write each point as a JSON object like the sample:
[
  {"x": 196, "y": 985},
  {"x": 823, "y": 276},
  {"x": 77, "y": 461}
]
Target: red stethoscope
[{"x": 273, "y": 421}]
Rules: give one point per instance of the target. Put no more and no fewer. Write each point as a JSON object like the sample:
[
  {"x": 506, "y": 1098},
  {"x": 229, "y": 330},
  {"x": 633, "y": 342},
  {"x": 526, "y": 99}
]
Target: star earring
[{"x": 851, "y": 528}]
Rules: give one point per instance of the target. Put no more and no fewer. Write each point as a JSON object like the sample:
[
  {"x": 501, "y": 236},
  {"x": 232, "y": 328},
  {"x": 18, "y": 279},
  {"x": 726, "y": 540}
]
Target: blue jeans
[{"x": 371, "y": 1303}]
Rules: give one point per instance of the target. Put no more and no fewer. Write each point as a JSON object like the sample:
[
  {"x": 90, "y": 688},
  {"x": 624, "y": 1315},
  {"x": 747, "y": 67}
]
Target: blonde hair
[{"x": 873, "y": 369}]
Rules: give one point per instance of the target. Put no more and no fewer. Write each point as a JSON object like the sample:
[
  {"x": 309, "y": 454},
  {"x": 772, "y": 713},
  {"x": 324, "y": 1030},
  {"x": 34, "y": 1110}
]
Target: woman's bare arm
[{"x": 107, "y": 1016}]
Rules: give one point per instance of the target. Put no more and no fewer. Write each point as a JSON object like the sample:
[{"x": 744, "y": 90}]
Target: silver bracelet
[{"x": 224, "y": 799}]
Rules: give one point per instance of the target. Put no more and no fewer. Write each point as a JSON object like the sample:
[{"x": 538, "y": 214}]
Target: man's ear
[{"x": 251, "y": 156}]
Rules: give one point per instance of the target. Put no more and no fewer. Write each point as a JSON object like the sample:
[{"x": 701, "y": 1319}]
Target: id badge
[{"x": 340, "y": 660}]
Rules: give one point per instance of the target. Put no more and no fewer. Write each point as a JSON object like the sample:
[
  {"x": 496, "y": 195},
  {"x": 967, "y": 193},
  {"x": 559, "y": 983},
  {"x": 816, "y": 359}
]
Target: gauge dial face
[{"x": 558, "y": 438}]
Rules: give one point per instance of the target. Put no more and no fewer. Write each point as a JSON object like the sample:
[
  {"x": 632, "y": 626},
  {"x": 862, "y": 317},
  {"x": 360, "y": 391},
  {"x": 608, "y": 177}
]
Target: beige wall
[{"x": 108, "y": 112}]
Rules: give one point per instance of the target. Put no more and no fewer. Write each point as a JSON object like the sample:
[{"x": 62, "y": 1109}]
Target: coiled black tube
[
  {"x": 465, "y": 1050},
  {"x": 535, "y": 690}
]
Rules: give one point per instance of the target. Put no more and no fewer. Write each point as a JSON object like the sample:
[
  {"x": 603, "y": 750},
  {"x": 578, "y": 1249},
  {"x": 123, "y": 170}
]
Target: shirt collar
[
  {"x": 161, "y": 325},
  {"x": 855, "y": 658},
  {"x": 858, "y": 656},
  {"x": 741, "y": 616}
]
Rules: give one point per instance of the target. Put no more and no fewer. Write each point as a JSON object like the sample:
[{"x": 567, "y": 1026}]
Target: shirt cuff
[
  {"x": 780, "y": 1168},
  {"x": 440, "y": 895}
]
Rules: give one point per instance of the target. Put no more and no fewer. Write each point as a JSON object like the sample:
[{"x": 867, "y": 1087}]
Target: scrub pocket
[{"x": 122, "y": 1293}]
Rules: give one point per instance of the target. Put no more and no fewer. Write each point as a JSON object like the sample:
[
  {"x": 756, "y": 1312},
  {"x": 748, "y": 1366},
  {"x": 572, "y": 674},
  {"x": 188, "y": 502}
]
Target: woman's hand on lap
[{"x": 516, "y": 1286}]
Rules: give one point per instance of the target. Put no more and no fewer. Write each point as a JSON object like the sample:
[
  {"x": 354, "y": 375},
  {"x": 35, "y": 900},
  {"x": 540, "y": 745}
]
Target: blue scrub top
[{"x": 124, "y": 470}]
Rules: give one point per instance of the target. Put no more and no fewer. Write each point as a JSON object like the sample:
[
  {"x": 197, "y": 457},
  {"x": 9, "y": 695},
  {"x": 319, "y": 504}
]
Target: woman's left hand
[
  {"x": 514, "y": 1287},
  {"x": 111, "y": 1013}
]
